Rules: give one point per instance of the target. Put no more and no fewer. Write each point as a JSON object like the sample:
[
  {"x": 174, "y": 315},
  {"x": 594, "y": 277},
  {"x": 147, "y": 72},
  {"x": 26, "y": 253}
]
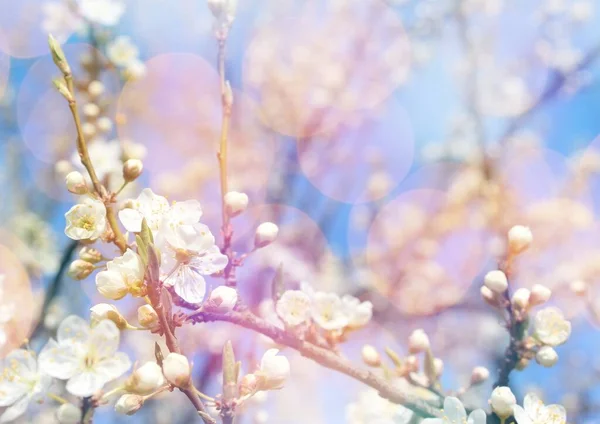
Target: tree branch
[{"x": 323, "y": 356}]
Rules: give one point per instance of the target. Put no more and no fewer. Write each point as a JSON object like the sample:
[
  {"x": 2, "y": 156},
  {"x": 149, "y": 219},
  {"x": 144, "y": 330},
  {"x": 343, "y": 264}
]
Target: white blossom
[
  {"x": 86, "y": 357},
  {"x": 67, "y": 413},
  {"x": 21, "y": 382},
  {"x": 129, "y": 404},
  {"x": 274, "y": 370},
  {"x": 86, "y": 220},
  {"x": 266, "y": 233},
  {"x": 124, "y": 274},
  {"x": 418, "y": 341},
  {"x": 294, "y": 307},
  {"x": 551, "y": 327},
  {"x": 328, "y": 311},
  {"x": 496, "y": 281},
  {"x": 103, "y": 12},
  {"x": 122, "y": 52},
  {"x": 454, "y": 412},
  {"x": 546, "y": 356},
  {"x": 222, "y": 298},
  {"x": 358, "y": 313},
  {"x": 535, "y": 412},
  {"x": 149, "y": 206},
  {"x": 145, "y": 379}
]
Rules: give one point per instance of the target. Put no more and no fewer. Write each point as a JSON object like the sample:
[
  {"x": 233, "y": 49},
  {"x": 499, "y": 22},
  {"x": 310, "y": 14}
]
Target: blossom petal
[
  {"x": 113, "y": 367},
  {"x": 211, "y": 262},
  {"x": 131, "y": 220},
  {"x": 15, "y": 411},
  {"x": 73, "y": 329},
  {"x": 189, "y": 284},
  {"x": 521, "y": 416},
  {"x": 478, "y": 416},
  {"x": 454, "y": 410},
  {"x": 556, "y": 414},
  {"x": 85, "y": 383},
  {"x": 104, "y": 338},
  {"x": 110, "y": 284},
  {"x": 59, "y": 361},
  {"x": 533, "y": 405},
  {"x": 10, "y": 392}
]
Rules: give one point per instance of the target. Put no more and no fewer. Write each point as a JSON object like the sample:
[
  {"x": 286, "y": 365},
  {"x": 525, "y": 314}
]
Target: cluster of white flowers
[
  {"x": 533, "y": 411},
  {"x": 328, "y": 311},
  {"x": 188, "y": 249},
  {"x": 86, "y": 357}
]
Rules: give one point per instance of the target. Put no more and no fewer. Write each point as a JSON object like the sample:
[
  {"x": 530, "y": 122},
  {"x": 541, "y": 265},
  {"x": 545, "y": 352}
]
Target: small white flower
[
  {"x": 454, "y": 412},
  {"x": 519, "y": 239},
  {"x": 21, "y": 382},
  {"x": 222, "y": 298},
  {"x": 149, "y": 206},
  {"x": 274, "y": 370},
  {"x": 502, "y": 401},
  {"x": 86, "y": 220},
  {"x": 328, "y": 311},
  {"x": 535, "y": 412},
  {"x": 135, "y": 69},
  {"x": 266, "y": 233},
  {"x": 235, "y": 202},
  {"x": 122, "y": 52},
  {"x": 293, "y": 307},
  {"x": 103, "y": 311},
  {"x": 103, "y": 12},
  {"x": 180, "y": 227},
  {"x": 176, "y": 369},
  {"x": 75, "y": 183},
  {"x": 188, "y": 254},
  {"x": 358, "y": 313},
  {"x": 124, "y": 274},
  {"x": 86, "y": 357},
  {"x": 551, "y": 327},
  {"x": 539, "y": 295}
]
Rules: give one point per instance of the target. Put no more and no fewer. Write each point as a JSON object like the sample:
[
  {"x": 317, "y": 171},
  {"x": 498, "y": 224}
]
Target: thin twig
[{"x": 323, "y": 356}]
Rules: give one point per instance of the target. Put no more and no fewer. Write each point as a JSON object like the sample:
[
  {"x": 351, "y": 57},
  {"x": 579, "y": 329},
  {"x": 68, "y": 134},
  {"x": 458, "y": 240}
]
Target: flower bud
[
  {"x": 132, "y": 169},
  {"x": 266, "y": 233},
  {"x": 129, "y": 404},
  {"x": 58, "y": 56},
  {"x": 539, "y": 295},
  {"x": 274, "y": 370},
  {"x": 91, "y": 255},
  {"x": 520, "y": 298},
  {"x": 76, "y": 183},
  {"x": 370, "y": 356},
  {"x": 248, "y": 384},
  {"x": 418, "y": 341},
  {"x": 146, "y": 379},
  {"x": 502, "y": 401},
  {"x": 177, "y": 370},
  {"x": 147, "y": 316},
  {"x": 67, "y": 413},
  {"x": 222, "y": 298},
  {"x": 546, "y": 356},
  {"x": 519, "y": 239},
  {"x": 235, "y": 203},
  {"x": 78, "y": 270},
  {"x": 95, "y": 88},
  {"x": 479, "y": 375},
  {"x": 488, "y": 296},
  {"x": 104, "y": 311},
  {"x": 496, "y": 281}
]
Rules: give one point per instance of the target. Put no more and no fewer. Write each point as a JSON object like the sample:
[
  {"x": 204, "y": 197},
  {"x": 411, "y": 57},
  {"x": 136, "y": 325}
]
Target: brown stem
[{"x": 323, "y": 356}]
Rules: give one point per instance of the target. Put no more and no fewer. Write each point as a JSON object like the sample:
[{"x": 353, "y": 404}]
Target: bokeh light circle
[
  {"x": 364, "y": 161},
  {"x": 418, "y": 245},
  {"x": 175, "y": 111}
]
